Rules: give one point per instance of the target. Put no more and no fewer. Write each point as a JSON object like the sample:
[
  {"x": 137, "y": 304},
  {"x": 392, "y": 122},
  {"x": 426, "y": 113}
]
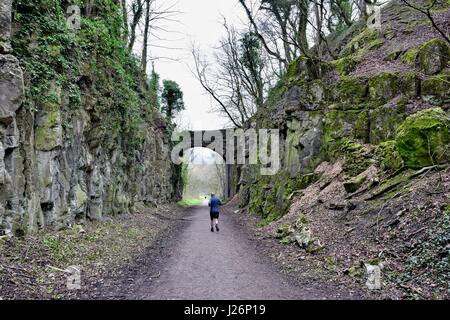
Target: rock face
[
  {"x": 357, "y": 109},
  {"x": 68, "y": 153},
  {"x": 11, "y": 97},
  {"x": 11, "y": 86},
  {"x": 5, "y": 23}
]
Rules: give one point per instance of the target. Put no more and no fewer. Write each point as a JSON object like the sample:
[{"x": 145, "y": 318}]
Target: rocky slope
[
  {"x": 78, "y": 137},
  {"x": 366, "y": 153}
]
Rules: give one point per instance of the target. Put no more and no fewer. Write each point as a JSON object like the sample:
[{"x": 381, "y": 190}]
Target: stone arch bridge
[
  {"x": 215, "y": 140},
  {"x": 236, "y": 147}
]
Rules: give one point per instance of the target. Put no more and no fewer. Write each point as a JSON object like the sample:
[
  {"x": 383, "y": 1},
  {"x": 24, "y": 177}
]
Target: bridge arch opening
[{"x": 205, "y": 172}]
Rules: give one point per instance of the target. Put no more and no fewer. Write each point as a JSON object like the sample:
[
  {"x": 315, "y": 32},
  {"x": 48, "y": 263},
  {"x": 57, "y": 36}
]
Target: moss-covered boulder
[
  {"x": 430, "y": 57},
  {"x": 388, "y": 157},
  {"x": 351, "y": 90},
  {"x": 424, "y": 138},
  {"x": 436, "y": 89},
  {"x": 384, "y": 86},
  {"x": 310, "y": 95},
  {"x": 433, "y": 56},
  {"x": 356, "y": 159}
]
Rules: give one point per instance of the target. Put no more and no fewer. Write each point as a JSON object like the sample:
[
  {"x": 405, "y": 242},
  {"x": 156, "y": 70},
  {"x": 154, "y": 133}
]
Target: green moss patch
[
  {"x": 283, "y": 231},
  {"x": 393, "y": 55},
  {"x": 410, "y": 85},
  {"x": 47, "y": 139},
  {"x": 374, "y": 44},
  {"x": 424, "y": 138},
  {"x": 340, "y": 124},
  {"x": 355, "y": 157},
  {"x": 271, "y": 196},
  {"x": 346, "y": 65},
  {"x": 409, "y": 57},
  {"x": 306, "y": 68},
  {"x": 388, "y": 156}
]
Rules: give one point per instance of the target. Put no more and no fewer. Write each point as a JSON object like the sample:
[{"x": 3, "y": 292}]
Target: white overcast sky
[{"x": 199, "y": 22}]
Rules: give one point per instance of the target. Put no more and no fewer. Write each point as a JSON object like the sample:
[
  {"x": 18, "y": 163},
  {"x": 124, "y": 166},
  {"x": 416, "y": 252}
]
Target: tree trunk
[
  {"x": 317, "y": 12},
  {"x": 125, "y": 20},
  {"x": 89, "y": 6},
  {"x": 363, "y": 8},
  {"x": 284, "y": 33},
  {"x": 137, "y": 14},
  {"x": 146, "y": 34},
  {"x": 302, "y": 40}
]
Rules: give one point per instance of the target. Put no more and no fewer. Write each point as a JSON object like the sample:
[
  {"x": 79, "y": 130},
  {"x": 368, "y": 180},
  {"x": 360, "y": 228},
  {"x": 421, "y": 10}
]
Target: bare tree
[
  {"x": 137, "y": 7},
  {"x": 148, "y": 27},
  {"x": 280, "y": 21},
  {"x": 345, "y": 10},
  {"x": 201, "y": 72},
  {"x": 240, "y": 79},
  {"x": 270, "y": 50},
  {"x": 284, "y": 25},
  {"x": 362, "y": 5},
  {"x": 281, "y": 12}
]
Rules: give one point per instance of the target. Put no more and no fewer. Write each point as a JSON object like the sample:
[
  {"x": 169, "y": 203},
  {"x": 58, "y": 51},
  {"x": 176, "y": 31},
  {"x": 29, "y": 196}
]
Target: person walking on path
[{"x": 214, "y": 211}]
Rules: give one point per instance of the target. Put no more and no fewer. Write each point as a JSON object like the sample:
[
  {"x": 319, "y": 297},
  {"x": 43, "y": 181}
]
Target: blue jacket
[{"x": 214, "y": 204}]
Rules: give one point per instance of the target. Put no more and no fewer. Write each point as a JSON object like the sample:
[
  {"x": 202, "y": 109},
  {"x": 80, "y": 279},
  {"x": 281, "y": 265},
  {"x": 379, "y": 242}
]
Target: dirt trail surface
[
  {"x": 195, "y": 263},
  {"x": 219, "y": 265}
]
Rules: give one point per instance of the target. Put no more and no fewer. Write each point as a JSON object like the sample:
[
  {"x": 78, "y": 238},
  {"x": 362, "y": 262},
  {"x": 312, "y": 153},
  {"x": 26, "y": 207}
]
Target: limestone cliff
[
  {"x": 351, "y": 107},
  {"x": 78, "y": 137}
]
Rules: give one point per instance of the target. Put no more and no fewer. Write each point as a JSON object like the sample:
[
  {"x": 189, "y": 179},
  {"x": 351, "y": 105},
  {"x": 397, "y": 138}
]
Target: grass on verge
[{"x": 189, "y": 202}]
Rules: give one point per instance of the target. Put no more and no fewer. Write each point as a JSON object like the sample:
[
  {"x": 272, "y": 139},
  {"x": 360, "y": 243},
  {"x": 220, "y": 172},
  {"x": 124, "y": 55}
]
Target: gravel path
[{"x": 199, "y": 264}]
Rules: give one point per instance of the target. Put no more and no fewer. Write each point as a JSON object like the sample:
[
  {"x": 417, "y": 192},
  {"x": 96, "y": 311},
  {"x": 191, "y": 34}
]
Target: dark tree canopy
[{"x": 172, "y": 98}]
